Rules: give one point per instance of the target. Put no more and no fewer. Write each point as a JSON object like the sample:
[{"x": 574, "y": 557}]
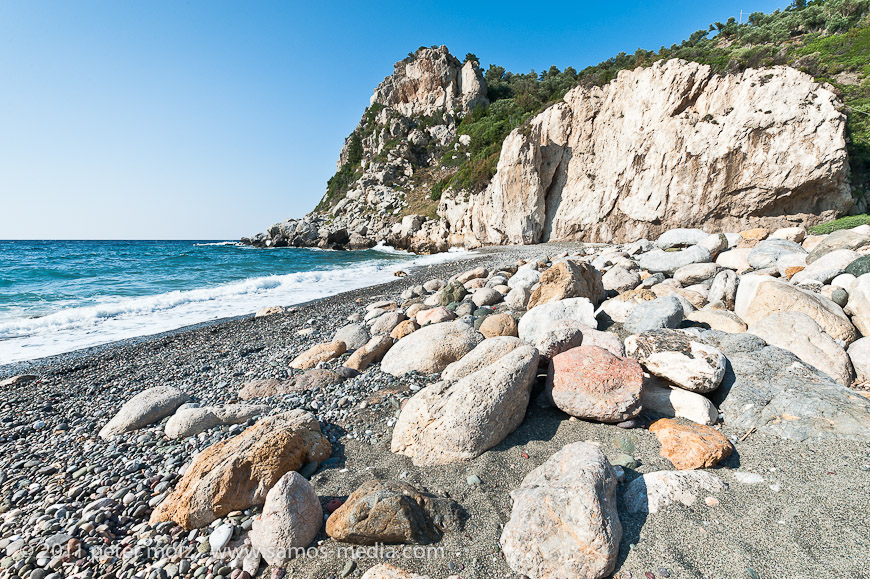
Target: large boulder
[
  {"x": 840, "y": 239},
  {"x": 317, "y": 354},
  {"x": 143, "y": 409},
  {"x": 858, "y": 305},
  {"x": 668, "y": 262},
  {"x": 727, "y": 151},
  {"x": 353, "y": 336},
  {"x": 680, "y": 237},
  {"x": 236, "y": 474},
  {"x": 591, "y": 383},
  {"x": 767, "y": 252},
  {"x": 191, "y": 421},
  {"x": 665, "y": 312},
  {"x": 291, "y": 518},
  {"x": 481, "y": 356},
  {"x": 802, "y": 336},
  {"x": 770, "y": 390},
  {"x": 568, "y": 279},
  {"x": 388, "y": 512},
  {"x": 536, "y": 324},
  {"x": 827, "y": 267},
  {"x": 452, "y": 421},
  {"x": 430, "y": 349},
  {"x": 564, "y": 521},
  {"x": 676, "y": 356},
  {"x": 369, "y": 353},
  {"x": 758, "y": 297}
]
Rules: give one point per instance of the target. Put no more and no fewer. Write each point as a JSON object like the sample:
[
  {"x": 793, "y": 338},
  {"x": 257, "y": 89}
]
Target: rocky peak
[{"x": 430, "y": 81}]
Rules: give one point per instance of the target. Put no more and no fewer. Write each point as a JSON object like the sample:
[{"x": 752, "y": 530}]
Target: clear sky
[{"x": 208, "y": 119}]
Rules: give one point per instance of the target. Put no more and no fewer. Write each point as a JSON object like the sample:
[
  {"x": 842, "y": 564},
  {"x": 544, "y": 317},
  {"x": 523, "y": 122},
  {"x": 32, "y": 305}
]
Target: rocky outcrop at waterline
[{"x": 668, "y": 146}]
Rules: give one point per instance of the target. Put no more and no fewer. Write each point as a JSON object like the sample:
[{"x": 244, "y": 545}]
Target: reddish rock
[
  {"x": 590, "y": 382},
  {"x": 690, "y": 446}
]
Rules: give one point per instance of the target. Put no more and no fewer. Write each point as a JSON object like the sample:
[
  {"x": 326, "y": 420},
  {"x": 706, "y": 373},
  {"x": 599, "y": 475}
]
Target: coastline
[{"x": 811, "y": 523}]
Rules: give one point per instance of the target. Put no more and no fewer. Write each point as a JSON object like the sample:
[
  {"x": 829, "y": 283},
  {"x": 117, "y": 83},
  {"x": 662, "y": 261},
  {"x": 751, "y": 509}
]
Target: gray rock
[
  {"x": 620, "y": 279},
  {"x": 841, "y": 239},
  {"x": 564, "y": 521},
  {"x": 767, "y": 252},
  {"x": 452, "y": 421},
  {"x": 518, "y": 298},
  {"x": 353, "y": 335},
  {"x": 658, "y": 261},
  {"x": 724, "y": 288},
  {"x": 695, "y": 273},
  {"x": 524, "y": 278},
  {"x": 536, "y": 324},
  {"x": 430, "y": 349},
  {"x": 291, "y": 518},
  {"x": 680, "y": 237},
  {"x": 771, "y": 390},
  {"x": 191, "y": 421},
  {"x": 826, "y": 267},
  {"x": 666, "y": 312},
  {"x": 486, "y": 297},
  {"x": 385, "y": 323},
  {"x": 145, "y": 408},
  {"x": 481, "y": 356},
  {"x": 859, "y": 354}
]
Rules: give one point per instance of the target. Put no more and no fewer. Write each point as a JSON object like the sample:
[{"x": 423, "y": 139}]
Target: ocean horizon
[{"x": 57, "y": 296}]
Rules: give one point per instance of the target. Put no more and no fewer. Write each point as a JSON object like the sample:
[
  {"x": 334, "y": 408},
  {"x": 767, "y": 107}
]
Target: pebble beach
[{"x": 76, "y": 504}]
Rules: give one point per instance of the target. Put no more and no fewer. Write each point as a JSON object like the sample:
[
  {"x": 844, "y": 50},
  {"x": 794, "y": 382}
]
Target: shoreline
[
  {"x": 74, "y": 356},
  {"x": 803, "y": 517}
]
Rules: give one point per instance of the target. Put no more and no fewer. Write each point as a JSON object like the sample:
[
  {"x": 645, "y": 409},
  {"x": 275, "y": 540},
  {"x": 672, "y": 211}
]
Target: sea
[{"x": 60, "y": 296}]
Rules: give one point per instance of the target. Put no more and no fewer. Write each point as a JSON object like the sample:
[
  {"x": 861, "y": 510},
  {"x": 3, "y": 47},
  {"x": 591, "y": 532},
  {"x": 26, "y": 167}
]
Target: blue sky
[{"x": 213, "y": 119}]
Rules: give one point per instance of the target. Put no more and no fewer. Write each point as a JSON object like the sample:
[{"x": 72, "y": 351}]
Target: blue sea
[{"x": 59, "y": 296}]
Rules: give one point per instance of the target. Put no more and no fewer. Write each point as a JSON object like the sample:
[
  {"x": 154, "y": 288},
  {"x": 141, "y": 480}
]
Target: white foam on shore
[{"x": 121, "y": 318}]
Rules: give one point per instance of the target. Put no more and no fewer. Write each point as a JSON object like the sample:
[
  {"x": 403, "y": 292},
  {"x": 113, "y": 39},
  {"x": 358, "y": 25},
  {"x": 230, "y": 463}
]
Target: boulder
[
  {"x": 858, "y": 305},
  {"x": 840, "y": 239},
  {"x": 499, "y": 325},
  {"x": 675, "y": 356},
  {"x": 145, "y": 408},
  {"x": 388, "y": 512},
  {"x": 317, "y": 354},
  {"x": 763, "y": 297},
  {"x": 827, "y": 267},
  {"x": 666, "y": 312},
  {"x": 430, "y": 349},
  {"x": 486, "y": 297},
  {"x": 859, "y": 267},
  {"x": 591, "y": 383},
  {"x": 518, "y": 298},
  {"x": 859, "y": 355},
  {"x": 659, "y": 398},
  {"x": 770, "y": 390},
  {"x": 373, "y": 351},
  {"x": 537, "y": 323},
  {"x": 620, "y": 279},
  {"x": 434, "y": 316},
  {"x": 668, "y": 262},
  {"x": 403, "y": 329},
  {"x": 481, "y": 356},
  {"x": 766, "y": 253},
  {"x": 680, "y": 237},
  {"x": 452, "y": 421},
  {"x": 802, "y": 336},
  {"x": 796, "y": 234},
  {"x": 606, "y": 340},
  {"x": 619, "y": 308},
  {"x": 191, "y": 421},
  {"x": 735, "y": 259},
  {"x": 654, "y": 491},
  {"x": 235, "y": 474},
  {"x": 564, "y": 521},
  {"x": 291, "y": 518},
  {"x": 695, "y": 273},
  {"x": 353, "y": 335},
  {"x": 386, "y": 323},
  {"x": 690, "y": 446},
  {"x": 525, "y": 278},
  {"x": 568, "y": 279},
  {"x": 453, "y": 292},
  {"x": 722, "y": 320}
]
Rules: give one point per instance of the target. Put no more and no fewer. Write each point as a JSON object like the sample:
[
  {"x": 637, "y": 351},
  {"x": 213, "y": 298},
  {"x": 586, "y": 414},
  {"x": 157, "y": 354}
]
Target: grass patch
[{"x": 841, "y": 223}]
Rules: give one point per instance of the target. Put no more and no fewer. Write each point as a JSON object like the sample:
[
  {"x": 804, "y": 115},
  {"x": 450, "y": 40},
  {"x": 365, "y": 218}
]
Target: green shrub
[{"x": 841, "y": 223}]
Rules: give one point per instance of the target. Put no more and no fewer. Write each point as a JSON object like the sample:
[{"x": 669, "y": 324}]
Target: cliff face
[
  {"x": 668, "y": 146},
  {"x": 391, "y": 160},
  {"x": 672, "y": 145}
]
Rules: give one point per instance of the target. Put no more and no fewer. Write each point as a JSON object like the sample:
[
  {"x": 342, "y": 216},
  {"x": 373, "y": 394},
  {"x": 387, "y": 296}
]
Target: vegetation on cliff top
[{"x": 828, "y": 39}]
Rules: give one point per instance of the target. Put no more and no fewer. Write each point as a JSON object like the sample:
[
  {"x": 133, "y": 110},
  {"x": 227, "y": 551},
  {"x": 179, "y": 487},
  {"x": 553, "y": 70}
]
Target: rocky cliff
[
  {"x": 672, "y": 145},
  {"x": 389, "y": 163}
]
